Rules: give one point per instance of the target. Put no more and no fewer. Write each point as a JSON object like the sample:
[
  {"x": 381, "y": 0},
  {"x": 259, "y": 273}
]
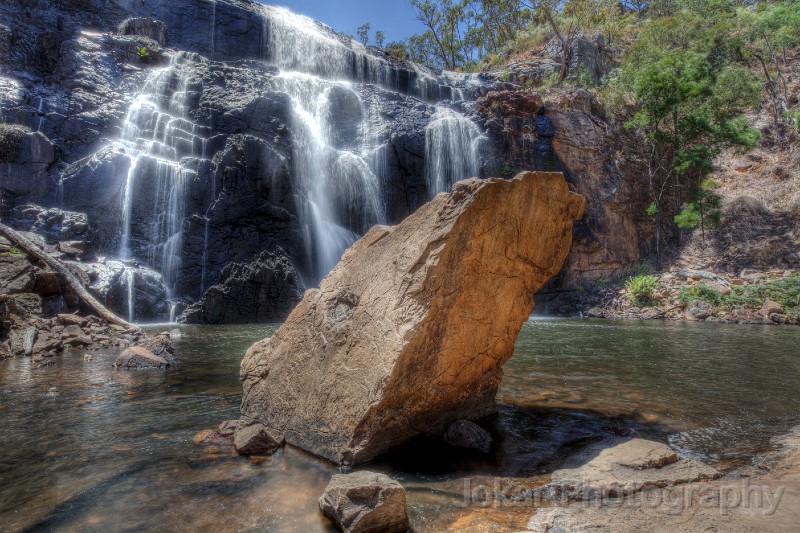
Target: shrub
[
  {"x": 16, "y": 251},
  {"x": 640, "y": 288},
  {"x": 11, "y": 137},
  {"x": 785, "y": 291},
  {"x": 699, "y": 292}
]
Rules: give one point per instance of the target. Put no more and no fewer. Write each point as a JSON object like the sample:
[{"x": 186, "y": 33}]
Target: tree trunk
[{"x": 68, "y": 277}]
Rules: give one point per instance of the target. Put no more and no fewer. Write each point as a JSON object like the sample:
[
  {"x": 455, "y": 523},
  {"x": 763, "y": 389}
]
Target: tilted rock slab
[{"x": 409, "y": 332}]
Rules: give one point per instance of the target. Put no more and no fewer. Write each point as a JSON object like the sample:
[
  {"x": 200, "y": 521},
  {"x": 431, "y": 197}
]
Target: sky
[{"x": 397, "y": 18}]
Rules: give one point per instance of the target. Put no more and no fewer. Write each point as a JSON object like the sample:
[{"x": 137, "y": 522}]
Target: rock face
[
  {"x": 365, "y": 502},
  {"x": 410, "y": 330},
  {"x": 263, "y": 290}
]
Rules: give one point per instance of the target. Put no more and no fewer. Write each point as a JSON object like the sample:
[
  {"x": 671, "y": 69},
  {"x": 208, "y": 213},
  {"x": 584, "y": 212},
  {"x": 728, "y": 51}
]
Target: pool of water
[{"x": 111, "y": 450}]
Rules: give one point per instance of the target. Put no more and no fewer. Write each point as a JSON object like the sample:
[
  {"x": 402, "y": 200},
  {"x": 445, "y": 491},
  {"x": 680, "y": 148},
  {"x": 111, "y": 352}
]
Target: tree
[
  {"x": 689, "y": 99},
  {"x": 379, "y": 38},
  {"x": 363, "y": 33}
]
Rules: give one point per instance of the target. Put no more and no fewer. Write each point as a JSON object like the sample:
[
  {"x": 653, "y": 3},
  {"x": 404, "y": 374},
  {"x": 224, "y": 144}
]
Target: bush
[
  {"x": 699, "y": 292},
  {"x": 785, "y": 291},
  {"x": 640, "y": 288}
]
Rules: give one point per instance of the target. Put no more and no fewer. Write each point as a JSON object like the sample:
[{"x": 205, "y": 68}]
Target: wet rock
[
  {"x": 365, "y": 502},
  {"x": 175, "y": 334},
  {"x": 466, "y": 434},
  {"x": 77, "y": 249},
  {"x": 138, "y": 357},
  {"x": 145, "y": 27},
  {"x": 46, "y": 283},
  {"x": 227, "y": 428},
  {"x": 256, "y": 438},
  {"x": 25, "y": 305},
  {"x": 25, "y": 156},
  {"x": 75, "y": 336},
  {"x": 262, "y": 290},
  {"x": 625, "y": 466},
  {"x": 698, "y": 310},
  {"x": 596, "y": 312},
  {"x": 72, "y": 320},
  {"x": 22, "y": 342},
  {"x": 161, "y": 346},
  {"x": 412, "y": 327},
  {"x": 15, "y": 273}
]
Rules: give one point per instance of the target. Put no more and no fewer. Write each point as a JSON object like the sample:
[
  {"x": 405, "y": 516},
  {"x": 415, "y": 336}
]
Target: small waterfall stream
[
  {"x": 340, "y": 195},
  {"x": 452, "y": 149},
  {"x": 164, "y": 146}
]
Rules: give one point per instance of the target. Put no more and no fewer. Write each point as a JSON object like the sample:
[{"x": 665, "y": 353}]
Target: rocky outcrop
[
  {"x": 266, "y": 289},
  {"x": 410, "y": 330},
  {"x": 365, "y": 502},
  {"x": 623, "y": 466},
  {"x": 137, "y": 357}
]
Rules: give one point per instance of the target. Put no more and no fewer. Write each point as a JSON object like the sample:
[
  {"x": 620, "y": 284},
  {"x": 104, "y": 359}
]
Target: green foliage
[
  {"x": 380, "y": 37},
  {"x": 794, "y": 118},
  {"x": 601, "y": 283},
  {"x": 363, "y": 33},
  {"x": 16, "y": 251},
  {"x": 144, "y": 53},
  {"x": 640, "y": 288},
  {"x": 785, "y": 291},
  {"x": 704, "y": 211},
  {"x": 652, "y": 210},
  {"x": 397, "y": 50},
  {"x": 700, "y": 291}
]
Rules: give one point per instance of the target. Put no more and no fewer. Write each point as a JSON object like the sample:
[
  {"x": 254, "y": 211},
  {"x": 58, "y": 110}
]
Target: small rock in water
[
  {"x": 365, "y": 502},
  {"x": 175, "y": 334},
  {"x": 227, "y": 428},
  {"x": 52, "y": 391},
  {"x": 88, "y": 357},
  {"x": 139, "y": 357},
  {"x": 256, "y": 439},
  {"x": 466, "y": 434}
]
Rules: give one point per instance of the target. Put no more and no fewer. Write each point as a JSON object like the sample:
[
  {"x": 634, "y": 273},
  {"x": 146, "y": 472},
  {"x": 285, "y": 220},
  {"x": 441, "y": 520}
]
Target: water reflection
[{"x": 112, "y": 450}]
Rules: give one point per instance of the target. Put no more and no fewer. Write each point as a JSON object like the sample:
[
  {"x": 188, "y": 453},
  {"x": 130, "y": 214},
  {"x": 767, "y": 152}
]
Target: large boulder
[
  {"x": 410, "y": 330},
  {"x": 365, "y": 502}
]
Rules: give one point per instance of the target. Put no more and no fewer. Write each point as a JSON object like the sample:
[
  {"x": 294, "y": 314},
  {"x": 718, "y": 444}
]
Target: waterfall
[
  {"x": 165, "y": 147},
  {"x": 452, "y": 149},
  {"x": 339, "y": 194}
]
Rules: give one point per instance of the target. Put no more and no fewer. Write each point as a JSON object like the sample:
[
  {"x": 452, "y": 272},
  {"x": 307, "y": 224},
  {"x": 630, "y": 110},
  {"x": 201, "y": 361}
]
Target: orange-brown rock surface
[{"x": 410, "y": 330}]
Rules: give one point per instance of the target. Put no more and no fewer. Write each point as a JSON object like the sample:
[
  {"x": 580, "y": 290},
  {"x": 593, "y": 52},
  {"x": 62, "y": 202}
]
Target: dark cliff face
[{"x": 197, "y": 133}]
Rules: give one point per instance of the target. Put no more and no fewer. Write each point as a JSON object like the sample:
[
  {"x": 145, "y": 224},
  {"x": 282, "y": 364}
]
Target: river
[{"x": 85, "y": 447}]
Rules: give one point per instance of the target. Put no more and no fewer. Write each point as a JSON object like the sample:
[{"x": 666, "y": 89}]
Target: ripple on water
[{"x": 112, "y": 450}]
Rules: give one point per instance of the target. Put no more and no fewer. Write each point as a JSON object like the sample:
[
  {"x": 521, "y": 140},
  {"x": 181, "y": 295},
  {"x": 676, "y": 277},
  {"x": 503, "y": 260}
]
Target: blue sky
[{"x": 397, "y": 18}]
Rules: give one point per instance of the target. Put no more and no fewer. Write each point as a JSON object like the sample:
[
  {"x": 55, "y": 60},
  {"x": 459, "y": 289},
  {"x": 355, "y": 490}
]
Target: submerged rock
[
  {"x": 255, "y": 439},
  {"x": 625, "y": 467},
  {"x": 466, "y": 434},
  {"x": 138, "y": 357},
  {"x": 365, "y": 502},
  {"x": 410, "y": 330}
]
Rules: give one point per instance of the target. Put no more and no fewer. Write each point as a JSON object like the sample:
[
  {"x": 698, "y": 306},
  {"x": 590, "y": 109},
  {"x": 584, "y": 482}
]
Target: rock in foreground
[
  {"x": 410, "y": 330},
  {"x": 365, "y": 502}
]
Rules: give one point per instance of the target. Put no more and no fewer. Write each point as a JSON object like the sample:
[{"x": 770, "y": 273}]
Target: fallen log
[{"x": 24, "y": 244}]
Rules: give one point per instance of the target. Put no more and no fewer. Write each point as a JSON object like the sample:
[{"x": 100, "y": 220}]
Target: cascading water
[
  {"x": 164, "y": 146},
  {"x": 339, "y": 194},
  {"x": 452, "y": 150}
]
